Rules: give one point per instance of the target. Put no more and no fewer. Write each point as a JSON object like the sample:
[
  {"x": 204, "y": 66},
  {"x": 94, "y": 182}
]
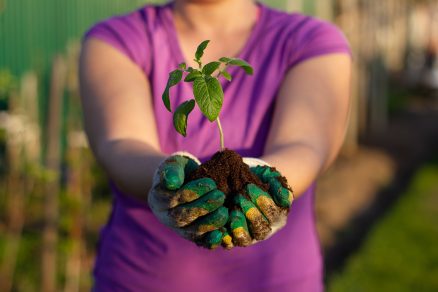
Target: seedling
[
  {"x": 247, "y": 209},
  {"x": 207, "y": 90}
]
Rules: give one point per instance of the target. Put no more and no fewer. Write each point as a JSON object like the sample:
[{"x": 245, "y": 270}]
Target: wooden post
[
  {"x": 348, "y": 19},
  {"x": 29, "y": 94},
  {"x": 77, "y": 170},
  {"x": 15, "y": 193},
  {"x": 74, "y": 192},
  {"x": 50, "y": 232}
]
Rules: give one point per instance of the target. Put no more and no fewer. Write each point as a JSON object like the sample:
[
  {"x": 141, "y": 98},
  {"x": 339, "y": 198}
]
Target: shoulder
[
  {"x": 128, "y": 33},
  {"x": 301, "y": 36},
  {"x": 134, "y": 22},
  {"x": 297, "y": 24}
]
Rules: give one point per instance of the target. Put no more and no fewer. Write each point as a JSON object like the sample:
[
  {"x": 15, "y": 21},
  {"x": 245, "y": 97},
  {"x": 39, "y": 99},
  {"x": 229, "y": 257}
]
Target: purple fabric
[{"x": 136, "y": 252}]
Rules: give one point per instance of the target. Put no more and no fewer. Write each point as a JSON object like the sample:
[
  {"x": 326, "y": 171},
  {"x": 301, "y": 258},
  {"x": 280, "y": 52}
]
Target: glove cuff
[
  {"x": 186, "y": 154},
  {"x": 252, "y": 162}
]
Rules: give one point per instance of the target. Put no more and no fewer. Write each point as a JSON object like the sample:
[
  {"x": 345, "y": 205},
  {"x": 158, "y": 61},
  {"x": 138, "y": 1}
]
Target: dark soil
[{"x": 229, "y": 172}]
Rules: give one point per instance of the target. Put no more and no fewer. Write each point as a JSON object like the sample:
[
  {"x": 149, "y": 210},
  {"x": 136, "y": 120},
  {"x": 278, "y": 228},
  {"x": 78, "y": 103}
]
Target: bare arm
[
  {"x": 118, "y": 117},
  {"x": 310, "y": 119}
]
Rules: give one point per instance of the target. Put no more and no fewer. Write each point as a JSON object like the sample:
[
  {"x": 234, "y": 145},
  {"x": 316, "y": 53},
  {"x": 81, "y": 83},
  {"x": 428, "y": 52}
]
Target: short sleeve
[
  {"x": 315, "y": 37},
  {"x": 126, "y": 33}
]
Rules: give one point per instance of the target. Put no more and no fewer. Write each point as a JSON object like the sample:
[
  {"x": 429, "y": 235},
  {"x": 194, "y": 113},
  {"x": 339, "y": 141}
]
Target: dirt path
[{"x": 358, "y": 190}]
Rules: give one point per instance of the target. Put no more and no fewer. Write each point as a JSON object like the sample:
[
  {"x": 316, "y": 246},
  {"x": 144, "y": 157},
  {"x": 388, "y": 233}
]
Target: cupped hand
[
  {"x": 258, "y": 214},
  {"x": 194, "y": 209}
]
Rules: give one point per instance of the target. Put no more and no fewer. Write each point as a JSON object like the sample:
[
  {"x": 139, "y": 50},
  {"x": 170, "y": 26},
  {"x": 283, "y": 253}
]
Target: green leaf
[
  {"x": 209, "y": 96},
  {"x": 209, "y": 68},
  {"x": 238, "y": 62},
  {"x": 225, "y": 60},
  {"x": 182, "y": 66},
  {"x": 193, "y": 75},
  {"x": 181, "y": 115},
  {"x": 242, "y": 64},
  {"x": 226, "y": 75},
  {"x": 200, "y": 50},
  {"x": 174, "y": 77}
]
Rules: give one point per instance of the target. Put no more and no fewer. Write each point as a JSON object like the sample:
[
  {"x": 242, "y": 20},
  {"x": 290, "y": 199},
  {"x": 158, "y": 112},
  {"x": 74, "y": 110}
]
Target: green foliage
[
  {"x": 238, "y": 62},
  {"x": 401, "y": 253},
  {"x": 398, "y": 98},
  {"x": 8, "y": 84},
  {"x": 207, "y": 89},
  {"x": 193, "y": 75},
  {"x": 174, "y": 78},
  {"x": 200, "y": 51},
  {"x": 95, "y": 205},
  {"x": 226, "y": 75},
  {"x": 209, "y": 96},
  {"x": 27, "y": 270},
  {"x": 180, "y": 116},
  {"x": 182, "y": 66},
  {"x": 209, "y": 68}
]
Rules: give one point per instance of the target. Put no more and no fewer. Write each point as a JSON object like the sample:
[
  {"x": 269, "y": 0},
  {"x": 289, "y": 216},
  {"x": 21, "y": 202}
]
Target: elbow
[
  {"x": 105, "y": 151},
  {"x": 100, "y": 149}
]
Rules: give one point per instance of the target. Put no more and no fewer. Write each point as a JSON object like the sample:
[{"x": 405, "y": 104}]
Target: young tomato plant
[{"x": 207, "y": 89}]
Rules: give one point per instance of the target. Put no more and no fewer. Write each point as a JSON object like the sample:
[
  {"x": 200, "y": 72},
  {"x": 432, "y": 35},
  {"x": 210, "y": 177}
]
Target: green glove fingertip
[
  {"x": 258, "y": 224},
  {"x": 211, "y": 240},
  {"x": 227, "y": 240},
  {"x": 172, "y": 172},
  {"x": 187, "y": 213},
  {"x": 192, "y": 191},
  {"x": 281, "y": 195},
  {"x": 239, "y": 228},
  {"x": 211, "y": 221},
  {"x": 264, "y": 202}
]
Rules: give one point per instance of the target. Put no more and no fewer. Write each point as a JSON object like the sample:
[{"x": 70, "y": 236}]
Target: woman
[{"x": 292, "y": 113}]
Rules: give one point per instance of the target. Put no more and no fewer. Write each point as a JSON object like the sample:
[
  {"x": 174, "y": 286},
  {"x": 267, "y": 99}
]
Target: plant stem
[{"x": 221, "y": 133}]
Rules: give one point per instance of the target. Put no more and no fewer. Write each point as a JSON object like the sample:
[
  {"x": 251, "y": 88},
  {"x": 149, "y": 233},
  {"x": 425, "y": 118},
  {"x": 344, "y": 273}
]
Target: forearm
[
  {"x": 300, "y": 163},
  {"x": 310, "y": 119},
  {"x": 130, "y": 164}
]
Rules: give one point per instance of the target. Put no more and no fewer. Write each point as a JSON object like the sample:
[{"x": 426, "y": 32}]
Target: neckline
[{"x": 175, "y": 44}]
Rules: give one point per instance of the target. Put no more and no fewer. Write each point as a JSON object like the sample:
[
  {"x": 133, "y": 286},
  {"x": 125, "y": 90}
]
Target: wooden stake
[{"x": 50, "y": 232}]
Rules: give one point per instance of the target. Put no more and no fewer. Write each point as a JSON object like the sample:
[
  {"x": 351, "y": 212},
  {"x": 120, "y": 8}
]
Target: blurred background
[{"x": 377, "y": 207}]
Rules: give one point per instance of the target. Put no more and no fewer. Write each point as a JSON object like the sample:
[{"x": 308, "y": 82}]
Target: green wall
[{"x": 32, "y": 31}]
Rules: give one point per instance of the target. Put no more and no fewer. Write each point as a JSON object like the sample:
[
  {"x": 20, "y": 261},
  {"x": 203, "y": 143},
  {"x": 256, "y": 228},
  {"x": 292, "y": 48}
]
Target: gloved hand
[
  {"x": 264, "y": 213},
  {"x": 194, "y": 210}
]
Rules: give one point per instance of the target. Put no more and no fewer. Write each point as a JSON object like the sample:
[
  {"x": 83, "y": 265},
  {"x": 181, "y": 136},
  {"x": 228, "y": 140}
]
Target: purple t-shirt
[{"x": 136, "y": 252}]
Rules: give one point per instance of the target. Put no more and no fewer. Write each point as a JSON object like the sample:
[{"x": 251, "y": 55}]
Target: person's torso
[{"x": 139, "y": 252}]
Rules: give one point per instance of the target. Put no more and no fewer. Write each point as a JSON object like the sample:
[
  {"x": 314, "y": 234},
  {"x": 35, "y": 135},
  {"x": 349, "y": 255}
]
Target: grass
[{"x": 401, "y": 253}]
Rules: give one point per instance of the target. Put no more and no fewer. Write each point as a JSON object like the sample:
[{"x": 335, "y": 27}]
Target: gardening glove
[
  {"x": 195, "y": 209},
  {"x": 260, "y": 214}
]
